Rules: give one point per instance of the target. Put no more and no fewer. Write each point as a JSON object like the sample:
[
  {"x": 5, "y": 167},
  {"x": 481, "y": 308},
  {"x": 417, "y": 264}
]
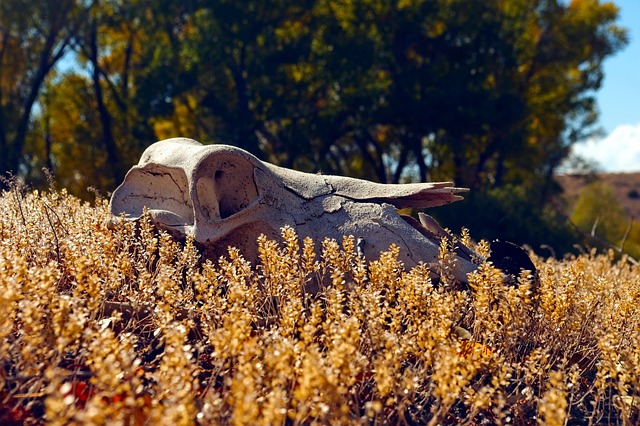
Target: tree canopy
[{"x": 490, "y": 94}]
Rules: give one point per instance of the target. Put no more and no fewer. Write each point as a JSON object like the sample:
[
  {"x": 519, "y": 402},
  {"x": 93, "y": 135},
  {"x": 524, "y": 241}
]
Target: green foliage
[
  {"x": 598, "y": 212},
  {"x": 34, "y": 36},
  {"x": 597, "y": 208},
  {"x": 485, "y": 93}
]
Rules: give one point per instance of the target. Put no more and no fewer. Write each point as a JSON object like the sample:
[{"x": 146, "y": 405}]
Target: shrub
[
  {"x": 127, "y": 326},
  {"x": 598, "y": 212},
  {"x": 598, "y": 206},
  {"x": 512, "y": 213}
]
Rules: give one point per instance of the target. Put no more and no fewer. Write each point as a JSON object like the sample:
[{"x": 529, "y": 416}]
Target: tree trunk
[
  {"x": 422, "y": 166},
  {"x": 3, "y": 133},
  {"x": 15, "y": 152},
  {"x": 402, "y": 162},
  {"x": 113, "y": 155},
  {"x": 246, "y": 139},
  {"x": 49, "y": 56},
  {"x": 376, "y": 163}
]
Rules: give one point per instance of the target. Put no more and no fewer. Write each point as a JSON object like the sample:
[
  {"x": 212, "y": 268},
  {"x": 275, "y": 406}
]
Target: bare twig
[
  {"x": 602, "y": 241},
  {"x": 595, "y": 226},
  {"x": 14, "y": 185},
  {"x": 53, "y": 229},
  {"x": 626, "y": 234}
]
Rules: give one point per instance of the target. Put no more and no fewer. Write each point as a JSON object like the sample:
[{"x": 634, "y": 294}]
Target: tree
[
  {"x": 77, "y": 162},
  {"x": 34, "y": 36},
  {"x": 495, "y": 92},
  {"x": 449, "y": 89},
  {"x": 114, "y": 93},
  {"x": 491, "y": 94}
]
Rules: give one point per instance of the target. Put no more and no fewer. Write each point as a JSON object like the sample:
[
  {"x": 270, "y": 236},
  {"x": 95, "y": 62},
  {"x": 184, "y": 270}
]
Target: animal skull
[{"x": 224, "y": 196}]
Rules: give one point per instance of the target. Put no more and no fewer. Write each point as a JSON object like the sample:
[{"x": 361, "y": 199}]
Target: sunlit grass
[{"x": 124, "y": 325}]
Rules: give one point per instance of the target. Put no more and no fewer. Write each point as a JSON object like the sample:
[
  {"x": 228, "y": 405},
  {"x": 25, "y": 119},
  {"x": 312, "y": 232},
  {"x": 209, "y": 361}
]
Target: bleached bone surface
[{"x": 224, "y": 196}]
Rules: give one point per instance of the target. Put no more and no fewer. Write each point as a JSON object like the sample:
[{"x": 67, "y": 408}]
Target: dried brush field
[{"x": 123, "y": 325}]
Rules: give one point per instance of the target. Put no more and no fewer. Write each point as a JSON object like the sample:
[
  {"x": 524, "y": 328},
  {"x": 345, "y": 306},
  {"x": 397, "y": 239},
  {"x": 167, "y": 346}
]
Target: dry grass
[{"x": 127, "y": 326}]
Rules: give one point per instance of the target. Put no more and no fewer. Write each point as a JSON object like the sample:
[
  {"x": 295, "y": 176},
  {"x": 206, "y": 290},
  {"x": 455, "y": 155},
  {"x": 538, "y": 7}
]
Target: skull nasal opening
[{"x": 225, "y": 186}]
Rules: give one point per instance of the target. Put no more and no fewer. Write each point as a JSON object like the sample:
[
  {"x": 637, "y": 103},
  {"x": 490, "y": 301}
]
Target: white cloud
[{"x": 618, "y": 152}]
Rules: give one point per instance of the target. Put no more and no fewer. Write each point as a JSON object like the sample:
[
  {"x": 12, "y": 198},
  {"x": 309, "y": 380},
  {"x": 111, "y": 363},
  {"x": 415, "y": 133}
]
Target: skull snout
[{"x": 165, "y": 196}]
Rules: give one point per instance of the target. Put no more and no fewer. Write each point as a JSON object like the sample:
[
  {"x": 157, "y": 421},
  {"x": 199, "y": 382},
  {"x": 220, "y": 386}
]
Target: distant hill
[{"x": 625, "y": 185}]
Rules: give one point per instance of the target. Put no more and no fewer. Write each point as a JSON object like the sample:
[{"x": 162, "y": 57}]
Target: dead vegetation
[{"x": 127, "y": 326}]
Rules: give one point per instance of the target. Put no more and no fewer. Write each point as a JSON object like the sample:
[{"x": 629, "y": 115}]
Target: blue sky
[{"x": 618, "y": 150}]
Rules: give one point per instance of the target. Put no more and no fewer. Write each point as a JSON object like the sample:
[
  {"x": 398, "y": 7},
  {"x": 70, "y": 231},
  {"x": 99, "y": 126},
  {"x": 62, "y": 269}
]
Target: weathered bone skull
[{"x": 224, "y": 196}]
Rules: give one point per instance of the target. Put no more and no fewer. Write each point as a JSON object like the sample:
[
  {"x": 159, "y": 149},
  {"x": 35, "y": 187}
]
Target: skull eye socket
[{"x": 225, "y": 187}]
